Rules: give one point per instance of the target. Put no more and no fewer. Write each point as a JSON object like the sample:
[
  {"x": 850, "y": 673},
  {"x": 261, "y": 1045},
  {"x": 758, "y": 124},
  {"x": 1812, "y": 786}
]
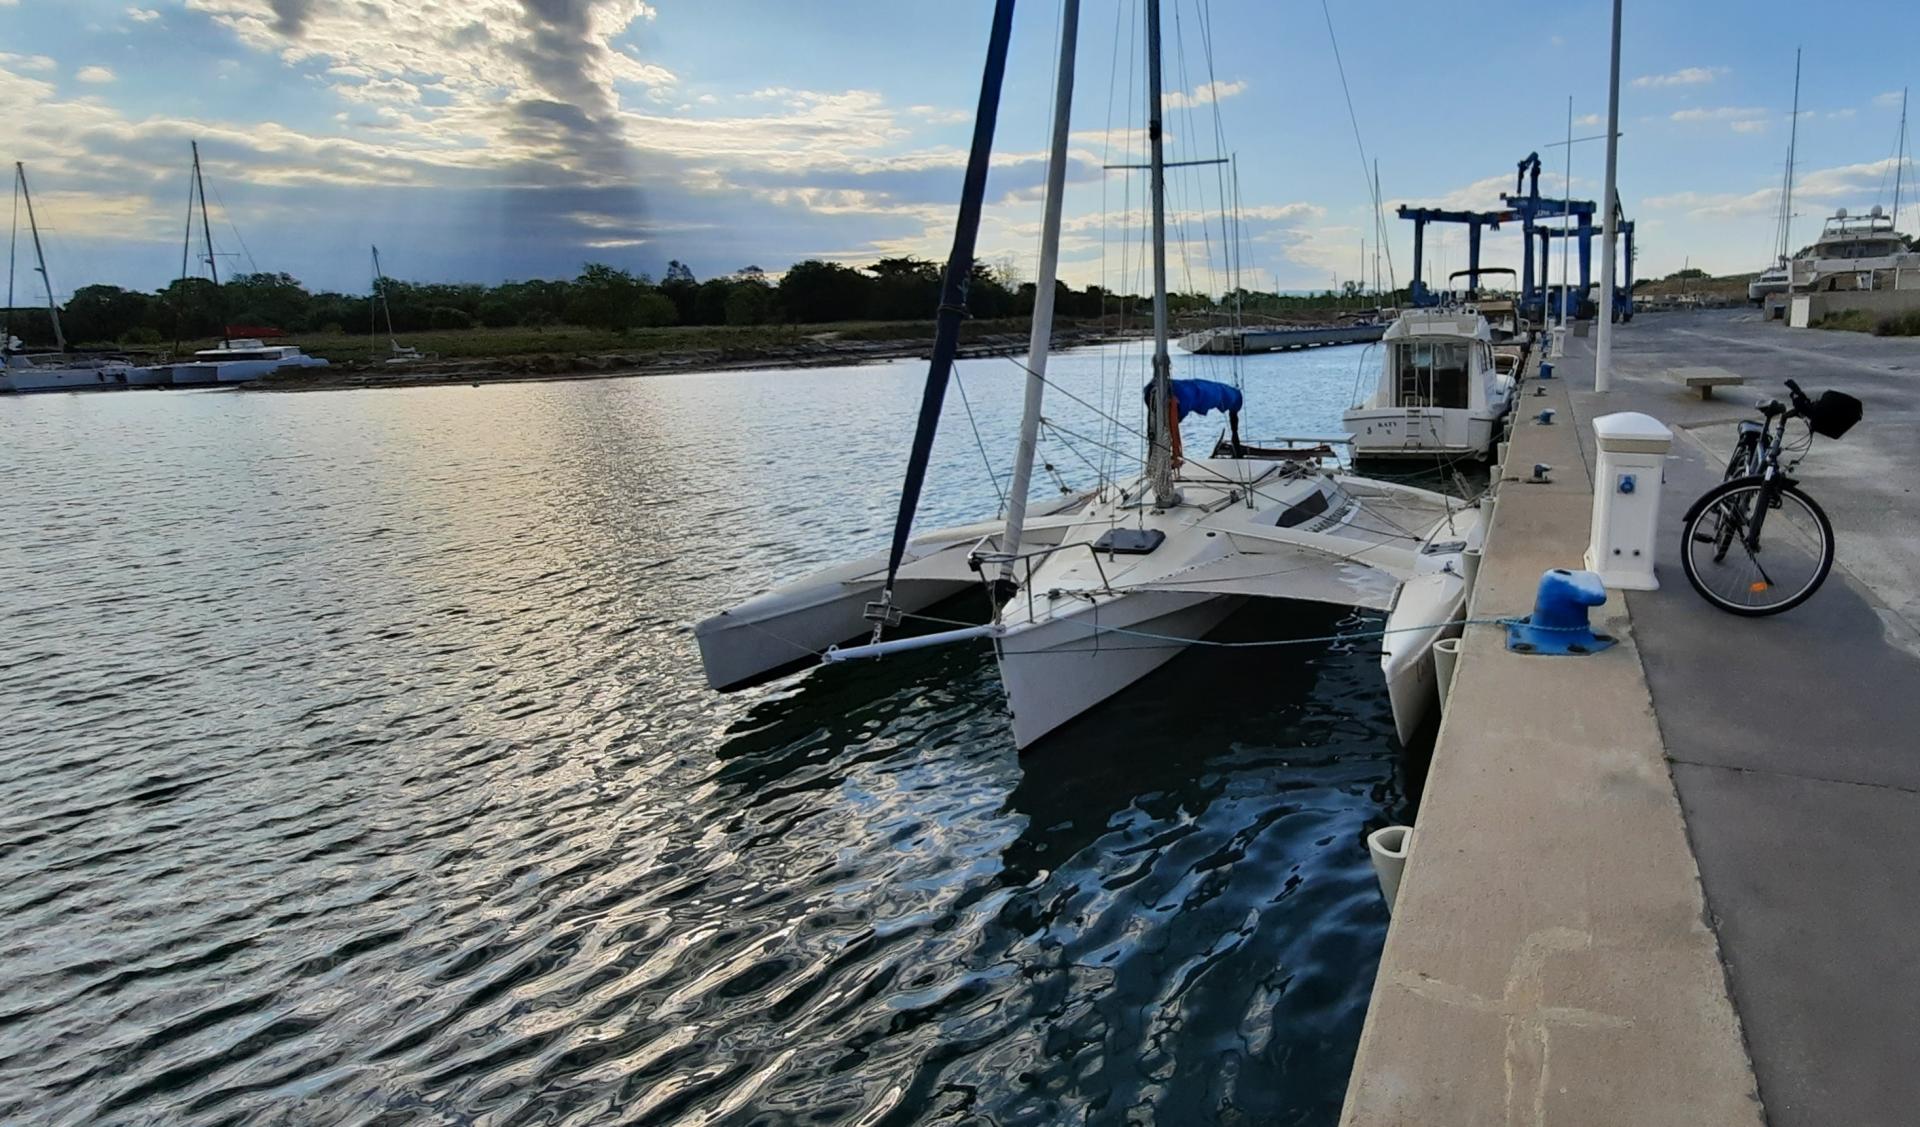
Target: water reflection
[{"x": 358, "y": 768}]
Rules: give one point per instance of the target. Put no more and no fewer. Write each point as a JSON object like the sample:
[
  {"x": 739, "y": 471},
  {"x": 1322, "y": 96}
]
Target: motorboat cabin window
[{"x": 1433, "y": 374}]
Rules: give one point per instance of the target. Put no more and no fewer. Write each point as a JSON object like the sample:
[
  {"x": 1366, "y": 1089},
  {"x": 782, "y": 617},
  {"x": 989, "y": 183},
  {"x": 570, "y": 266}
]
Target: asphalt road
[{"x": 1795, "y": 740}]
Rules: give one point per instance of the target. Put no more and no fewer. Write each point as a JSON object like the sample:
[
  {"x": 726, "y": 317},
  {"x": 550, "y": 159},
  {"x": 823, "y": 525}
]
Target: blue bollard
[
  {"x": 1546, "y": 370},
  {"x": 1544, "y": 418},
  {"x": 1558, "y": 624}
]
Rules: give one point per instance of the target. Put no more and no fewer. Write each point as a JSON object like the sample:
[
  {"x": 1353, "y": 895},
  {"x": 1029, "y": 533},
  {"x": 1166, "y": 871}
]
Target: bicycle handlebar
[{"x": 1799, "y": 397}]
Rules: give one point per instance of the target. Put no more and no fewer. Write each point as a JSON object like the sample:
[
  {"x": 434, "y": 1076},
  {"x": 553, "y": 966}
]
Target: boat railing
[{"x": 980, "y": 559}]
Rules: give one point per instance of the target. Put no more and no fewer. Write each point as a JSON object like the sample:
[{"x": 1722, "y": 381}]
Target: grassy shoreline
[{"x": 512, "y": 355}]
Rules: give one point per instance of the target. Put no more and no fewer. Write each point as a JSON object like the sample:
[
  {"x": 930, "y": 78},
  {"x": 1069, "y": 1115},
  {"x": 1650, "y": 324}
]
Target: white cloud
[
  {"x": 1204, "y": 94},
  {"x": 1590, "y": 120},
  {"x": 95, "y": 74},
  {"x": 1685, "y": 76},
  {"x": 1888, "y": 100},
  {"x": 1841, "y": 115},
  {"x": 142, "y": 15},
  {"x": 38, "y": 64},
  {"x": 1745, "y": 119}
]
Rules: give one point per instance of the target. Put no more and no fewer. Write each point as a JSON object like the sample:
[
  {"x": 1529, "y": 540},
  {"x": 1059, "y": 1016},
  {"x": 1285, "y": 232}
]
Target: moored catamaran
[{"x": 1097, "y": 594}]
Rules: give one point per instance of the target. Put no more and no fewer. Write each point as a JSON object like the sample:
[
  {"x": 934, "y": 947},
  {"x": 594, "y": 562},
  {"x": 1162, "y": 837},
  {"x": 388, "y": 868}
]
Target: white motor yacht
[
  {"x": 1441, "y": 392},
  {"x": 1857, "y": 252},
  {"x": 240, "y": 361}
]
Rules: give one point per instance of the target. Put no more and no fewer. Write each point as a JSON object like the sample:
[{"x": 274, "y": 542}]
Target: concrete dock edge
[{"x": 1549, "y": 958}]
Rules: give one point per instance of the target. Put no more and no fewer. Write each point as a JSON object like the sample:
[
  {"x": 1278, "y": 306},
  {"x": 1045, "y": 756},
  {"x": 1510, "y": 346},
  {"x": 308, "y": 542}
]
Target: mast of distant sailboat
[
  {"x": 206, "y": 228},
  {"x": 1900, "y": 162},
  {"x": 1786, "y": 192},
  {"x": 46, "y": 279}
]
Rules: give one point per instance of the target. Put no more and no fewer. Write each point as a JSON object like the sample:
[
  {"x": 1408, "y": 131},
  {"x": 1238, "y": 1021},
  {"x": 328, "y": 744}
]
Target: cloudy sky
[{"x": 491, "y": 139}]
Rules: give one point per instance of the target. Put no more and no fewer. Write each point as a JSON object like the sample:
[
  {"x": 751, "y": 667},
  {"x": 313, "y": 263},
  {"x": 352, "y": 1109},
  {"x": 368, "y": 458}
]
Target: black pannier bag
[{"x": 1833, "y": 414}]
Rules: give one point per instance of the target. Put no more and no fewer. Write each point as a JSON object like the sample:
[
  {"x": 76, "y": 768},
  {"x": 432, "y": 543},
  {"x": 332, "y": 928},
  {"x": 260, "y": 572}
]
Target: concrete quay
[
  {"x": 1549, "y": 959},
  {"x": 1669, "y": 882}
]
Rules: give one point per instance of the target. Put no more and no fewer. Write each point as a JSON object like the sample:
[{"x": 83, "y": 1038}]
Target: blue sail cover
[{"x": 1198, "y": 397}]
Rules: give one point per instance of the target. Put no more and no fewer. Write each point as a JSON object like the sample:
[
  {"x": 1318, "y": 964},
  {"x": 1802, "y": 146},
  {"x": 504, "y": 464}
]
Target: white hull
[
  {"x": 1420, "y": 432},
  {"x": 794, "y": 622},
  {"x": 790, "y": 624},
  {"x": 195, "y": 375},
  {"x": 24, "y": 379},
  {"x": 1093, "y": 623},
  {"x": 1061, "y": 666},
  {"x": 1406, "y": 658}
]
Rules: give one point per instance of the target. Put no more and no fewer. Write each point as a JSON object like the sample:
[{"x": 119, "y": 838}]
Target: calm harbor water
[{"x": 356, "y": 766}]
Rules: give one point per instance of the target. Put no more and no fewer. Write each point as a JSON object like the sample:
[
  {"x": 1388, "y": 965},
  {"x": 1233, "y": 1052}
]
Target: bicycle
[{"x": 1756, "y": 544}]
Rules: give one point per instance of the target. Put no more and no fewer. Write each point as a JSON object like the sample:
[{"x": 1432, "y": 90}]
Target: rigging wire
[
  {"x": 226, "y": 213},
  {"x": 977, "y": 440},
  {"x": 1366, "y": 174}
]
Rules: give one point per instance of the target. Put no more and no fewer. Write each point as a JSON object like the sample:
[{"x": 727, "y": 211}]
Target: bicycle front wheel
[{"x": 1754, "y": 549}]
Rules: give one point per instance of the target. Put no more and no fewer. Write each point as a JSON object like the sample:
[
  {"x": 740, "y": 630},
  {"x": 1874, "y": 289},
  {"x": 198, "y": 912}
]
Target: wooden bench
[{"x": 1704, "y": 380}]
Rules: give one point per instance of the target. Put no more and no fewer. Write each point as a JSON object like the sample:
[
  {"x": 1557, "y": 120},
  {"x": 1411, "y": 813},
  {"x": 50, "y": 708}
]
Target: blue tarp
[{"x": 1198, "y": 397}]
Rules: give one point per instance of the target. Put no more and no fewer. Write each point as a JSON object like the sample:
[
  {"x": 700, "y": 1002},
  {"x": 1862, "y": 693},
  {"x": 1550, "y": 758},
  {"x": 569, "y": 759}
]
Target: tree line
[{"x": 601, "y": 297}]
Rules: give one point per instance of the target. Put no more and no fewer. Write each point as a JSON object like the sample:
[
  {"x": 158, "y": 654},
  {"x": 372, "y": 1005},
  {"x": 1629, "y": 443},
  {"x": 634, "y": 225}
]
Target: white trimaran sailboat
[{"x": 1102, "y": 593}]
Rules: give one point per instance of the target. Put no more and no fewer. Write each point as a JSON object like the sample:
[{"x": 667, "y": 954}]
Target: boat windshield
[{"x": 1432, "y": 373}]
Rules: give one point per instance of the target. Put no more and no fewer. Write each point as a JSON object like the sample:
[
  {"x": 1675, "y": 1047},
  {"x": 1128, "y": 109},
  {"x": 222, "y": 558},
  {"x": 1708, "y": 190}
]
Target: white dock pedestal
[{"x": 1627, "y": 484}]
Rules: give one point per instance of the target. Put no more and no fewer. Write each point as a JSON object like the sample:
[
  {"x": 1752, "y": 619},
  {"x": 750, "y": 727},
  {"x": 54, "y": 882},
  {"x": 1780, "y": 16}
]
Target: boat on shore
[
  {"x": 1242, "y": 340},
  {"x": 1857, "y": 252},
  {"x": 23, "y": 374},
  {"x": 1442, "y": 389}
]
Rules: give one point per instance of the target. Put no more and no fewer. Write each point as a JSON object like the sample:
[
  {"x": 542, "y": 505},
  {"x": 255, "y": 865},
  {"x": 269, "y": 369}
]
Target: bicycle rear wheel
[{"x": 1748, "y": 573}]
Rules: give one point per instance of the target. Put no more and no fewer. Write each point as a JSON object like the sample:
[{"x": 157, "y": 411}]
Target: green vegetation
[
  {"x": 1880, "y": 325},
  {"x": 604, "y": 308}
]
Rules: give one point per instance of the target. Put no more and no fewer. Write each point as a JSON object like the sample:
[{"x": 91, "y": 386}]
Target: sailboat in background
[
  {"x": 237, "y": 360},
  {"x": 1097, "y": 596},
  {"x": 21, "y": 373},
  {"x": 1778, "y": 278},
  {"x": 400, "y": 353}
]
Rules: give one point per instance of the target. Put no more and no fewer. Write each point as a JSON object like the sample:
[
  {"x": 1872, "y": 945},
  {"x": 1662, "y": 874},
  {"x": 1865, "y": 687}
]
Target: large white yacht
[
  {"x": 1857, "y": 252},
  {"x": 1440, "y": 393}
]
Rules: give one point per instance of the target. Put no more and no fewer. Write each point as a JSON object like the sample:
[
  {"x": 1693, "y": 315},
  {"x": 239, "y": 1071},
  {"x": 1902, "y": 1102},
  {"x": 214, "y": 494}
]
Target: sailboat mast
[
  {"x": 13, "y": 245},
  {"x": 206, "y": 229},
  {"x": 46, "y": 279},
  {"x": 1159, "y": 436},
  {"x": 953, "y": 304},
  {"x": 1900, "y": 162},
  {"x": 1793, "y": 142},
  {"x": 1040, "y": 339}
]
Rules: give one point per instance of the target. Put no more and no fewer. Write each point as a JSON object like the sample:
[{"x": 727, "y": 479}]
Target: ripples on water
[{"x": 357, "y": 767}]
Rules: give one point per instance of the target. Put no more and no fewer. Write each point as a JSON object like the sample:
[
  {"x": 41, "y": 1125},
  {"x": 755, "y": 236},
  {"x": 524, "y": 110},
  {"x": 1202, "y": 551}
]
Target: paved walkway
[
  {"x": 1549, "y": 959},
  {"x": 1795, "y": 740}
]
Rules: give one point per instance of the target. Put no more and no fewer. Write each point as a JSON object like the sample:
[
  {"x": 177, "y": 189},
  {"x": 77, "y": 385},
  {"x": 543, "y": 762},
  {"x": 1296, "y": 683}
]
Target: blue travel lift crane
[
  {"x": 1418, "y": 294},
  {"x": 1533, "y": 206}
]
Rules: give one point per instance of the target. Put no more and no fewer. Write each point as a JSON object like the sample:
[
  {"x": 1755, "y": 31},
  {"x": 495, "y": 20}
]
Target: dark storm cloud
[{"x": 290, "y": 16}]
